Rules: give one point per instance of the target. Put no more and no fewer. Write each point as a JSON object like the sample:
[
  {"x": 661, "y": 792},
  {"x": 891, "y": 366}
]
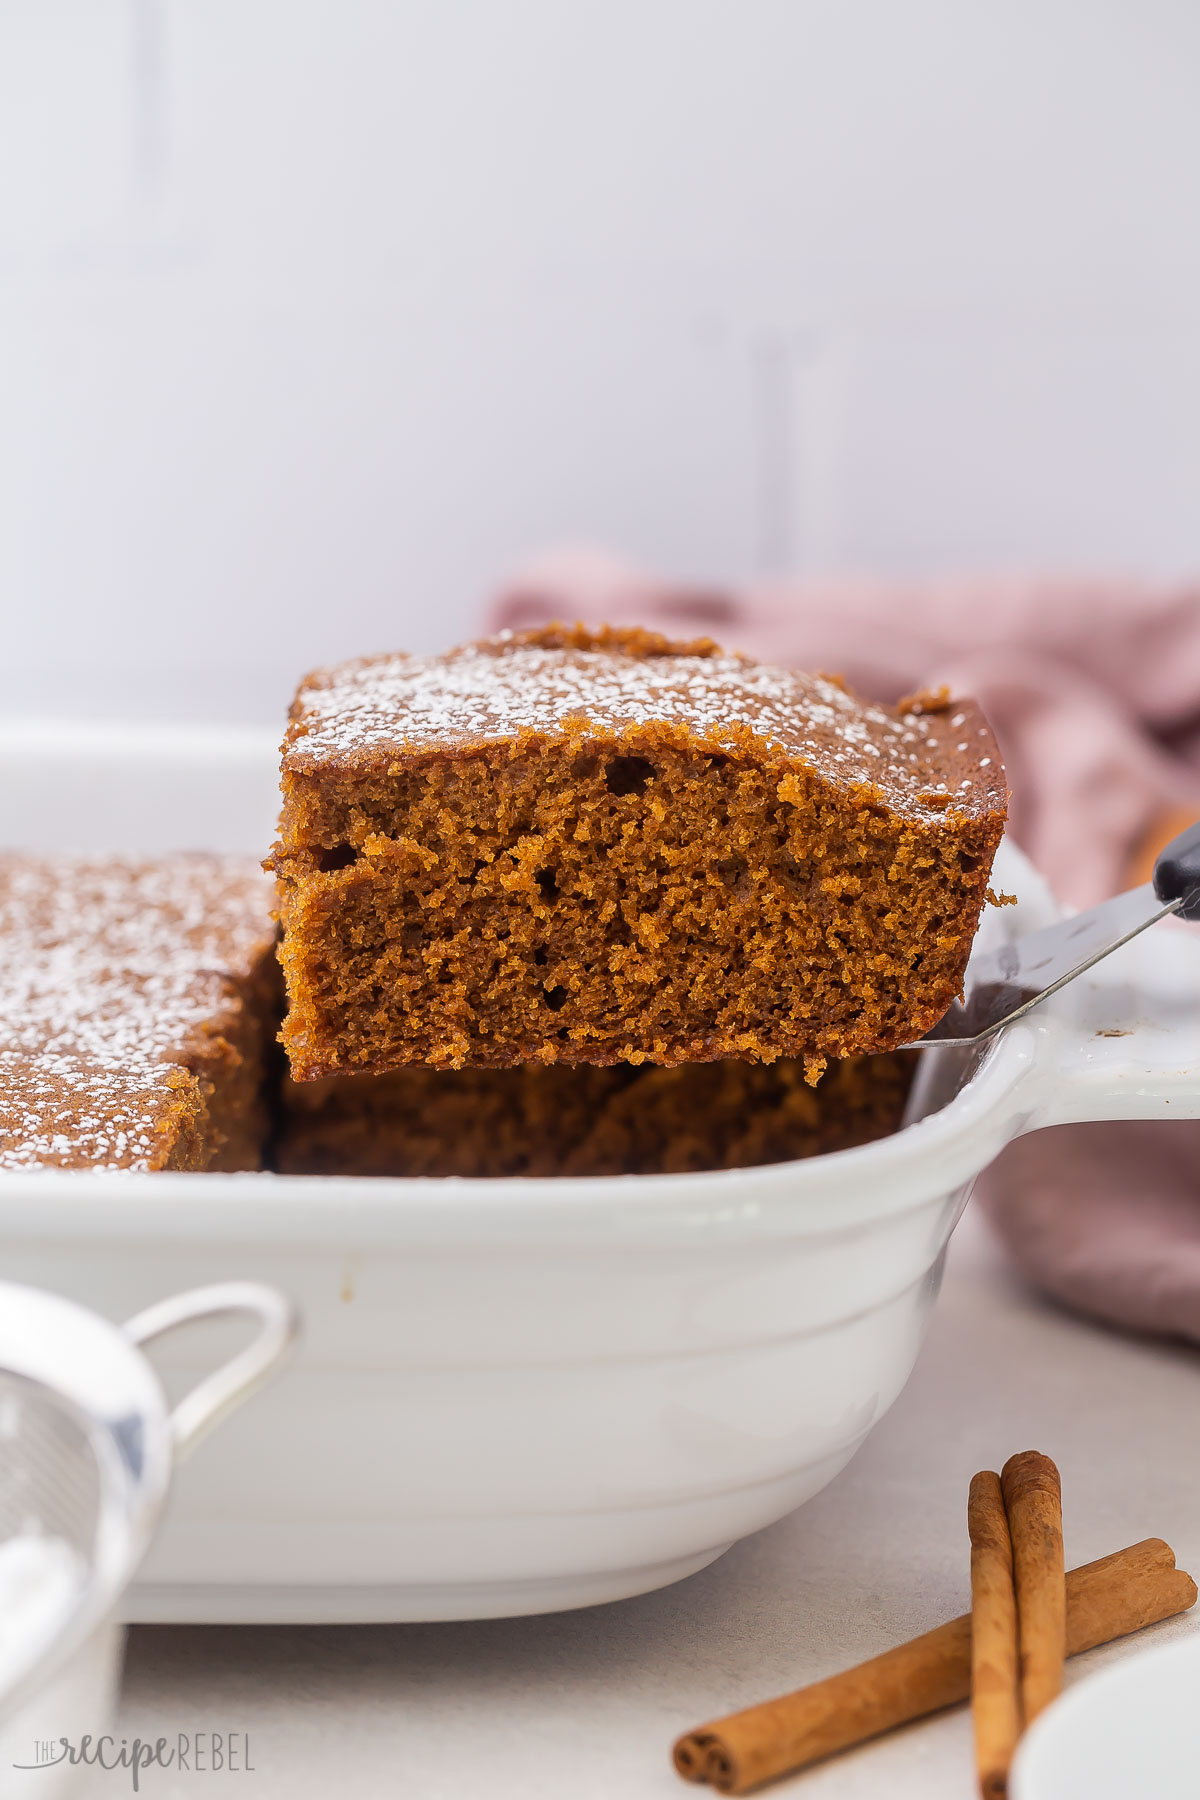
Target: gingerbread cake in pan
[
  {"x": 138, "y": 1000},
  {"x": 602, "y": 847},
  {"x": 556, "y": 1120}
]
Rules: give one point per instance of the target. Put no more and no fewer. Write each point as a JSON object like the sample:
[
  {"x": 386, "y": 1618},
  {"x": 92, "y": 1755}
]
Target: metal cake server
[{"x": 1010, "y": 981}]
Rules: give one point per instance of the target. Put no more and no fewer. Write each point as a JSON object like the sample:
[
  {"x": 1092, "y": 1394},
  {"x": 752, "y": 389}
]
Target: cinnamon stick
[
  {"x": 1107, "y": 1599},
  {"x": 1033, "y": 1502},
  {"x": 995, "y": 1684}
]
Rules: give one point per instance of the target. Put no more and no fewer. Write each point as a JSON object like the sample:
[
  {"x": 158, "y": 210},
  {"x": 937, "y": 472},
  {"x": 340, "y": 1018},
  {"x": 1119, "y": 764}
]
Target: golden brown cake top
[
  {"x": 567, "y": 682},
  {"x": 111, "y": 971}
]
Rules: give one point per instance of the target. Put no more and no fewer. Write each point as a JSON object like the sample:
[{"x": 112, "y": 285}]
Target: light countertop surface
[{"x": 585, "y": 1705}]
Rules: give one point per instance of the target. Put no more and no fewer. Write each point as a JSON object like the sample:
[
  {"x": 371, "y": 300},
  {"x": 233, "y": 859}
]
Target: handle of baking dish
[
  {"x": 1126, "y": 1045},
  {"x": 219, "y": 1393}
]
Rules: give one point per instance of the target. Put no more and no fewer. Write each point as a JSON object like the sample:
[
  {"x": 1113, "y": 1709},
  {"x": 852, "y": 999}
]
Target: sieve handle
[{"x": 219, "y": 1393}]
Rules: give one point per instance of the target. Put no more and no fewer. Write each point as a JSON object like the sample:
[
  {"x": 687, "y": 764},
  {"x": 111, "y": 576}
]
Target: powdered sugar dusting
[
  {"x": 111, "y": 973},
  {"x": 66, "y": 1111},
  {"x": 502, "y": 688}
]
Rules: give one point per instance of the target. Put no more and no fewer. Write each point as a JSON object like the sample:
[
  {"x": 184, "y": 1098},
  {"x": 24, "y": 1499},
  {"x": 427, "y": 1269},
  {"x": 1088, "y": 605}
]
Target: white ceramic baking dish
[{"x": 519, "y": 1395}]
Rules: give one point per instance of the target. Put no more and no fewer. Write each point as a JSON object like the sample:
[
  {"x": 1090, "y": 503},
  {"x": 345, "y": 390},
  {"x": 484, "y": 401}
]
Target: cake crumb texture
[
  {"x": 559, "y": 1120},
  {"x": 601, "y": 847}
]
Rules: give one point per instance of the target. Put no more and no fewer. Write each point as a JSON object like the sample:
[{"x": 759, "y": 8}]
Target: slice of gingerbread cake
[
  {"x": 599, "y": 846},
  {"x": 138, "y": 1002}
]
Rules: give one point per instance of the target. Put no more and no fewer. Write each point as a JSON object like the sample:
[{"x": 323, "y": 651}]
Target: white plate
[{"x": 1129, "y": 1732}]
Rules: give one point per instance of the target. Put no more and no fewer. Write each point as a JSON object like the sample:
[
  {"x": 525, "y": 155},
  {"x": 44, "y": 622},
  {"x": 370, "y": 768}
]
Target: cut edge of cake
[
  {"x": 139, "y": 999},
  {"x": 537, "y": 777}
]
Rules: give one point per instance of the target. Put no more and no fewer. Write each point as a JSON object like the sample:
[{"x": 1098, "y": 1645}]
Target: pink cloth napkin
[{"x": 1093, "y": 688}]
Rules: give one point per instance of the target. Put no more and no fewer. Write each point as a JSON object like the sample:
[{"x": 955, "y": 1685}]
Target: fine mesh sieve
[
  {"x": 54, "y": 1523},
  {"x": 86, "y": 1451},
  {"x": 49, "y": 1472}
]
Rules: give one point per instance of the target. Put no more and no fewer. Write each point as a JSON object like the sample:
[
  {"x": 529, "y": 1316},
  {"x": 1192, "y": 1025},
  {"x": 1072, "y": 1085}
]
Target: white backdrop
[{"x": 315, "y": 315}]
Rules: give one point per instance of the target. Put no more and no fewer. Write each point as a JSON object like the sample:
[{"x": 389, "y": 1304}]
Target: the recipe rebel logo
[{"x": 196, "y": 1752}]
